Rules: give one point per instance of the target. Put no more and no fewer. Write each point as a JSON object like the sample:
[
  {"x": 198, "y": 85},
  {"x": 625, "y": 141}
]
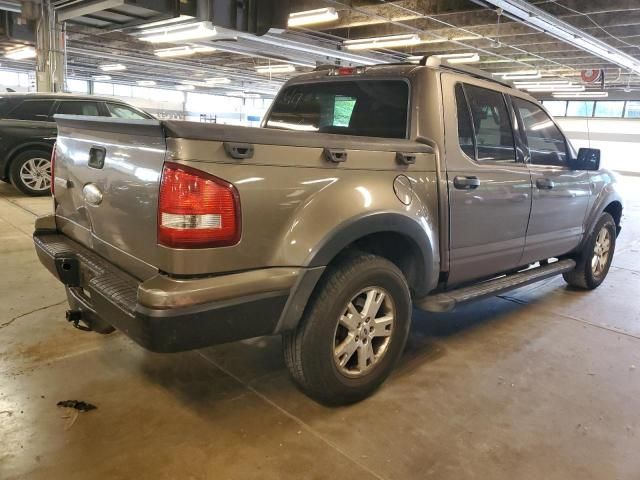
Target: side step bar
[{"x": 447, "y": 301}]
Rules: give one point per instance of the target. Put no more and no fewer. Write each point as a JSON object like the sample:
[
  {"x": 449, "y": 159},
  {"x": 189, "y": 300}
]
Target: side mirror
[{"x": 588, "y": 159}]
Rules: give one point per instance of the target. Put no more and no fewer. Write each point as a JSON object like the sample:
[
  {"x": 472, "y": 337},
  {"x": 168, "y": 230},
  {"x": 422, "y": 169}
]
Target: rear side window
[
  {"x": 32, "y": 110},
  {"x": 122, "y": 111},
  {"x": 491, "y": 125},
  {"x": 79, "y": 108},
  {"x": 547, "y": 145},
  {"x": 375, "y": 108}
]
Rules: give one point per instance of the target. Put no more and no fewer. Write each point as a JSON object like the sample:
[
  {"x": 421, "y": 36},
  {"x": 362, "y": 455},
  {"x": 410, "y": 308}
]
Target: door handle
[
  {"x": 335, "y": 155},
  {"x": 239, "y": 151},
  {"x": 466, "y": 183},
  {"x": 544, "y": 184}
]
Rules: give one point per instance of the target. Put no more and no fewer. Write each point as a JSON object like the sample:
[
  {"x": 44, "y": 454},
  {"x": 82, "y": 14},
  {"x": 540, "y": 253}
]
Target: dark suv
[{"x": 28, "y": 132}]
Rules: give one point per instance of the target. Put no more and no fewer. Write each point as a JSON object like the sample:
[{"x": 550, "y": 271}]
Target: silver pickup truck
[{"x": 368, "y": 191}]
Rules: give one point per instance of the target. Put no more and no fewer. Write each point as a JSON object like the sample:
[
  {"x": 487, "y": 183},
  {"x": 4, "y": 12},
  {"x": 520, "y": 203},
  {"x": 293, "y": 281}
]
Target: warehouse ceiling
[{"x": 112, "y": 35}]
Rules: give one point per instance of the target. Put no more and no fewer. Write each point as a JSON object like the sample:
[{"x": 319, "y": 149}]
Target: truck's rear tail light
[
  {"x": 197, "y": 210},
  {"x": 53, "y": 170}
]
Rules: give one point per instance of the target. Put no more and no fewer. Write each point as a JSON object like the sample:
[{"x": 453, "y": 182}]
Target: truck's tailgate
[{"x": 110, "y": 206}]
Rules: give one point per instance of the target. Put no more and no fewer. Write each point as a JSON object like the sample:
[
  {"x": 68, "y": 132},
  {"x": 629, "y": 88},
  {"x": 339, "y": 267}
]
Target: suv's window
[
  {"x": 32, "y": 110},
  {"x": 79, "y": 107},
  {"x": 465, "y": 129},
  {"x": 376, "y": 108},
  {"x": 491, "y": 124},
  {"x": 547, "y": 145},
  {"x": 122, "y": 111}
]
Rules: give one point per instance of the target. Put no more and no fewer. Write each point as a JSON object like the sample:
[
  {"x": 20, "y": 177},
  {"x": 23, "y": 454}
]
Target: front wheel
[
  {"x": 353, "y": 331},
  {"x": 594, "y": 261},
  {"x": 31, "y": 172}
]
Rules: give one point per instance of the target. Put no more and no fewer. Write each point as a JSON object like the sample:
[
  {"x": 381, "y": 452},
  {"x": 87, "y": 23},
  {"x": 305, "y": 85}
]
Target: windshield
[{"x": 374, "y": 108}]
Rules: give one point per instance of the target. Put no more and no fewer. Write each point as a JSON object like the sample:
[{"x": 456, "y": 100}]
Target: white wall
[{"x": 618, "y": 138}]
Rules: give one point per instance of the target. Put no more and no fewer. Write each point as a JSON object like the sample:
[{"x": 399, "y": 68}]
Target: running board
[{"x": 447, "y": 301}]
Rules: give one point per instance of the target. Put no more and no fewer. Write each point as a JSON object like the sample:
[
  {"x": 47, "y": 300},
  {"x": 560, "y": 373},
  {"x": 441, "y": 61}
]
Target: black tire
[
  {"x": 309, "y": 350},
  {"x": 17, "y": 165},
  {"x": 586, "y": 276}
]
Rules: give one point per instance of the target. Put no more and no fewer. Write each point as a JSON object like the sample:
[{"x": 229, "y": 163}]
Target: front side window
[
  {"x": 547, "y": 145},
  {"x": 491, "y": 125},
  {"x": 122, "y": 111},
  {"x": 32, "y": 110},
  {"x": 70, "y": 107},
  {"x": 374, "y": 108}
]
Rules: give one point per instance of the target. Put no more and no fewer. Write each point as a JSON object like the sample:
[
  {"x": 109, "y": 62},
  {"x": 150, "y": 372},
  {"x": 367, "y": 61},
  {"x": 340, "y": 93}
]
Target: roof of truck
[{"x": 405, "y": 69}]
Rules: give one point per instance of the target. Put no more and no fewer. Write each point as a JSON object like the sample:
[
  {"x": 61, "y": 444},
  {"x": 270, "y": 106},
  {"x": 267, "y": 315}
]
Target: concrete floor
[{"x": 543, "y": 383}]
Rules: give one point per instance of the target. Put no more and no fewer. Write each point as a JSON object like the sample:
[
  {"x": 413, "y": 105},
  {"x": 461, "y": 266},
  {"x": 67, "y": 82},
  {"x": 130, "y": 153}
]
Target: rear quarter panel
[{"x": 293, "y": 201}]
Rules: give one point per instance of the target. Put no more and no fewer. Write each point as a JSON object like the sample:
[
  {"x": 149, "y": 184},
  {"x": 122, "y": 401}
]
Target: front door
[
  {"x": 489, "y": 187},
  {"x": 561, "y": 196}
]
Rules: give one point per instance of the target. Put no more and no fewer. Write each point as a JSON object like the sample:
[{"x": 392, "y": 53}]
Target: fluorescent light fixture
[
  {"x": 112, "y": 67},
  {"x": 541, "y": 83},
  {"x": 162, "y": 23},
  {"x": 435, "y": 40},
  {"x": 466, "y": 37},
  {"x": 146, "y": 83},
  {"x": 21, "y": 53},
  {"x": 217, "y": 81},
  {"x": 310, "y": 17},
  {"x": 469, "y": 57},
  {"x": 580, "y": 94},
  {"x": 536, "y": 18},
  {"x": 521, "y": 75},
  {"x": 556, "y": 88},
  {"x": 195, "y": 83},
  {"x": 383, "y": 42},
  {"x": 185, "y": 87},
  {"x": 101, "y": 77},
  {"x": 183, "y": 51},
  {"x": 179, "y": 33},
  {"x": 282, "y": 68}
]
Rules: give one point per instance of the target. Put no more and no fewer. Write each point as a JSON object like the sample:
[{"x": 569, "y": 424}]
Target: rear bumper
[{"x": 165, "y": 314}]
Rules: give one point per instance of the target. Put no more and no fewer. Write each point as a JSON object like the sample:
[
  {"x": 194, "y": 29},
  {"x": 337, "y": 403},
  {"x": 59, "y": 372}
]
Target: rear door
[
  {"x": 560, "y": 195},
  {"x": 489, "y": 187}
]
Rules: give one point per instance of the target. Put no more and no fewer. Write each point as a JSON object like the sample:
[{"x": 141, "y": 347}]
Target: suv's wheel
[
  {"x": 595, "y": 259},
  {"x": 353, "y": 331},
  {"x": 31, "y": 172}
]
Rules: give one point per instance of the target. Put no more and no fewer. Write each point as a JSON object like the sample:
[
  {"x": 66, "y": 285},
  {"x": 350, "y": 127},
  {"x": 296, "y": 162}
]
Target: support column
[{"x": 50, "y": 45}]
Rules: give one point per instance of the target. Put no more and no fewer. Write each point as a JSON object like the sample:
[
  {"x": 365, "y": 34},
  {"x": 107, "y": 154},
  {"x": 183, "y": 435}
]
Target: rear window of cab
[{"x": 373, "y": 108}]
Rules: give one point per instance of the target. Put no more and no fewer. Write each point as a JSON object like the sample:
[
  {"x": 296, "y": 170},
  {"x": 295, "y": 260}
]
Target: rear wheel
[
  {"x": 353, "y": 331},
  {"x": 30, "y": 172},
  {"x": 594, "y": 261}
]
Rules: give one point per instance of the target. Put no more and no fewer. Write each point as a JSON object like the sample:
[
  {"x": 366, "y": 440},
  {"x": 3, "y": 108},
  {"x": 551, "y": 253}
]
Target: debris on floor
[{"x": 77, "y": 404}]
